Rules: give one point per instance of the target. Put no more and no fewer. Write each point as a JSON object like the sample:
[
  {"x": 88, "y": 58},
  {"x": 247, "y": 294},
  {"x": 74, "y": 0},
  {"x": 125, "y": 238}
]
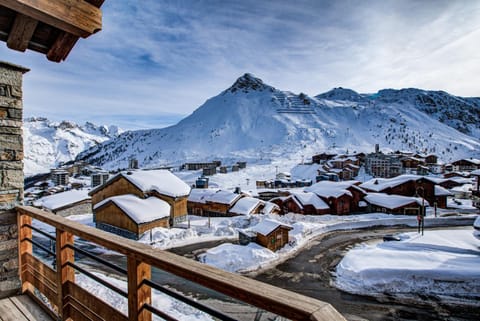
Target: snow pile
[
  {"x": 235, "y": 258},
  {"x": 442, "y": 263}
]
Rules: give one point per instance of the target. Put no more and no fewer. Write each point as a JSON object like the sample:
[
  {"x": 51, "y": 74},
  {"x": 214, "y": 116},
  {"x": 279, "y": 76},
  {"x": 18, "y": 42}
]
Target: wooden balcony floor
[{"x": 21, "y": 308}]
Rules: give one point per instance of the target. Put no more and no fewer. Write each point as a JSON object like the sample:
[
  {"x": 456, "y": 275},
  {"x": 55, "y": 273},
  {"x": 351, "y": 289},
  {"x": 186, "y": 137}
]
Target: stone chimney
[{"x": 11, "y": 173}]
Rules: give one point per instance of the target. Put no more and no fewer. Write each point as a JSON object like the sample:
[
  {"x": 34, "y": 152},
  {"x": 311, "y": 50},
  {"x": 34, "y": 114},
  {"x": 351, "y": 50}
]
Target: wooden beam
[
  {"x": 62, "y": 46},
  {"x": 65, "y": 273},
  {"x": 77, "y": 17},
  {"x": 21, "y": 32},
  {"x": 138, "y": 293}
]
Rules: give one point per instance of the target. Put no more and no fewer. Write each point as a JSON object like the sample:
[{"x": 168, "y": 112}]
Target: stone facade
[{"x": 11, "y": 173}]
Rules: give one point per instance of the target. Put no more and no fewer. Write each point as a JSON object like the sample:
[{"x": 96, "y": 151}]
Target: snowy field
[{"x": 443, "y": 263}]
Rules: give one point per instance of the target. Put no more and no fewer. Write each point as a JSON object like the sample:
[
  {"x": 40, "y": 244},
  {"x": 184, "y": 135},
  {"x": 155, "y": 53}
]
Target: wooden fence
[{"x": 69, "y": 300}]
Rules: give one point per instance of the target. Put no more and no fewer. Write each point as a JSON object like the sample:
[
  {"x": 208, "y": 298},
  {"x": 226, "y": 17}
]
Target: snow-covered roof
[
  {"x": 475, "y": 172},
  {"x": 270, "y": 207},
  {"x": 309, "y": 198},
  {"x": 138, "y": 209},
  {"x": 380, "y": 184},
  {"x": 56, "y": 201},
  {"x": 463, "y": 188},
  {"x": 440, "y": 191},
  {"x": 331, "y": 189},
  {"x": 392, "y": 201},
  {"x": 470, "y": 160},
  {"x": 245, "y": 205},
  {"x": 267, "y": 226},
  {"x": 223, "y": 197},
  {"x": 160, "y": 180},
  {"x": 201, "y": 195}
]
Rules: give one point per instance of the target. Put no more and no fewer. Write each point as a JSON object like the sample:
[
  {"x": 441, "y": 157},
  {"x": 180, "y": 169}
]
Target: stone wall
[{"x": 11, "y": 173}]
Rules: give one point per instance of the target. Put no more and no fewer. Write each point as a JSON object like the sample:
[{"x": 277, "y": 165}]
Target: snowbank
[{"x": 442, "y": 263}]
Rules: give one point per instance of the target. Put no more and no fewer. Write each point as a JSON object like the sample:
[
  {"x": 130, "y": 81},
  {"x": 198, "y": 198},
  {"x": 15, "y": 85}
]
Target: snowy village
[{"x": 146, "y": 174}]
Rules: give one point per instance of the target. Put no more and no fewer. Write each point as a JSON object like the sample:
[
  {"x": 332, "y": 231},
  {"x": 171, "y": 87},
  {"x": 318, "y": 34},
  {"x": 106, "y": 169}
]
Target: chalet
[
  {"x": 99, "y": 178},
  {"x": 242, "y": 165},
  {"x": 59, "y": 176},
  {"x": 342, "y": 197},
  {"x": 410, "y": 165},
  {"x": 395, "y": 204},
  {"x": 305, "y": 203},
  {"x": 211, "y": 202},
  {"x": 467, "y": 164},
  {"x": 131, "y": 216},
  {"x": 272, "y": 234},
  {"x": 476, "y": 182},
  {"x": 197, "y": 200},
  {"x": 201, "y": 182},
  {"x": 158, "y": 183},
  {"x": 409, "y": 185},
  {"x": 476, "y": 188},
  {"x": 323, "y": 157},
  {"x": 209, "y": 171},
  {"x": 271, "y": 208},
  {"x": 431, "y": 159},
  {"x": 456, "y": 174},
  {"x": 66, "y": 203},
  {"x": 335, "y": 195},
  {"x": 247, "y": 206},
  {"x": 197, "y": 166}
]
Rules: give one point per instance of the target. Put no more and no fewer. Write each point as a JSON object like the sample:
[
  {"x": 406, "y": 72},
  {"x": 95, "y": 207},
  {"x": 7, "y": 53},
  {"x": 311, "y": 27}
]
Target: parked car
[
  {"x": 391, "y": 237},
  {"x": 476, "y": 226}
]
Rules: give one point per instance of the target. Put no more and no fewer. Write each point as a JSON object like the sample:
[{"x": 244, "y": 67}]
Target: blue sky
[{"x": 156, "y": 61}]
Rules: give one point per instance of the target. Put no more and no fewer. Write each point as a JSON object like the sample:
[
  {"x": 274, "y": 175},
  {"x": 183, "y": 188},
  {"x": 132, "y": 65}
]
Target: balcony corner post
[{"x": 138, "y": 293}]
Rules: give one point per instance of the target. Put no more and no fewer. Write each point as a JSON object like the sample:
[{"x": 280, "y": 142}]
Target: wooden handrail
[{"x": 140, "y": 257}]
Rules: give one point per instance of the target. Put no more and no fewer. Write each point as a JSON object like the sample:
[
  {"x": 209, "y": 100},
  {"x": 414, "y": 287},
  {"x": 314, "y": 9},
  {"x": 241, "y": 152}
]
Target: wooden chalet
[
  {"x": 304, "y": 203},
  {"x": 395, "y": 204},
  {"x": 131, "y": 216},
  {"x": 143, "y": 184},
  {"x": 247, "y": 206},
  {"x": 323, "y": 157},
  {"x": 342, "y": 197},
  {"x": 67, "y": 203},
  {"x": 272, "y": 234},
  {"x": 467, "y": 164},
  {"x": 212, "y": 203}
]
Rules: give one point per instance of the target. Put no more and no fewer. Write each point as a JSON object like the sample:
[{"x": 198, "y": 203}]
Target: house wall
[
  {"x": 11, "y": 173},
  {"x": 120, "y": 186},
  {"x": 110, "y": 214},
  {"x": 275, "y": 240},
  {"x": 178, "y": 206}
]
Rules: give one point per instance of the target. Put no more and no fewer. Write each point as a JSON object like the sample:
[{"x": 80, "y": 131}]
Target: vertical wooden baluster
[
  {"x": 138, "y": 294},
  {"x": 65, "y": 273},
  {"x": 24, "y": 247}
]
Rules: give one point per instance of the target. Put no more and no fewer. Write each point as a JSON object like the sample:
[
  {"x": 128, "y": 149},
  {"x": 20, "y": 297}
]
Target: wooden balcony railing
[{"x": 68, "y": 300}]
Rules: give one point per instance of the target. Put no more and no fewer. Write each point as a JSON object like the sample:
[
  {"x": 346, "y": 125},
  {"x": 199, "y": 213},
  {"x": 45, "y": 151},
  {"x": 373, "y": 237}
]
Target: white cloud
[{"x": 164, "y": 58}]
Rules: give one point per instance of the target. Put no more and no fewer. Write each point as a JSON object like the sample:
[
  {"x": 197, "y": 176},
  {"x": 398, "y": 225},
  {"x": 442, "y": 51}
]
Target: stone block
[
  {"x": 16, "y": 91},
  {"x": 11, "y": 142},
  {"x": 14, "y": 113},
  {"x": 3, "y": 113},
  {"x": 10, "y": 123},
  {"x": 10, "y": 102},
  {"x": 11, "y": 131}
]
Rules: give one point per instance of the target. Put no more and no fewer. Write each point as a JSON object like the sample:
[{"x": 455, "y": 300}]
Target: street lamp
[{"x": 421, "y": 216}]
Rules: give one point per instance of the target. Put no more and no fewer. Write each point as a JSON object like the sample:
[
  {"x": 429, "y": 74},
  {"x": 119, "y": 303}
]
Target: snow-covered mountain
[
  {"x": 49, "y": 143},
  {"x": 253, "y": 121}
]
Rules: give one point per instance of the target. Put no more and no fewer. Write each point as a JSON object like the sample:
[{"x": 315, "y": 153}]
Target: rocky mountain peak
[{"x": 248, "y": 82}]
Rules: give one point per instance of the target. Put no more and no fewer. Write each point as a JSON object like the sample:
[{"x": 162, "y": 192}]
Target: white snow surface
[
  {"x": 53, "y": 202},
  {"x": 138, "y": 209},
  {"x": 331, "y": 189},
  {"x": 379, "y": 184},
  {"x": 223, "y": 197},
  {"x": 309, "y": 198},
  {"x": 162, "y": 181},
  {"x": 392, "y": 201},
  {"x": 245, "y": 205},
  {"x": 443, "y": 263},
  {"x": 47, "y": 143}
]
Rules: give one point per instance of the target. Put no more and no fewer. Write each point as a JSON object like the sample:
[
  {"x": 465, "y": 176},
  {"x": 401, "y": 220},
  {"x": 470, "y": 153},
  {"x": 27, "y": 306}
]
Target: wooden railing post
[
  {"x": 24, "y": 247},
  {"x": 138, "y": 293},
  {"x": 65, "y": 273}
]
